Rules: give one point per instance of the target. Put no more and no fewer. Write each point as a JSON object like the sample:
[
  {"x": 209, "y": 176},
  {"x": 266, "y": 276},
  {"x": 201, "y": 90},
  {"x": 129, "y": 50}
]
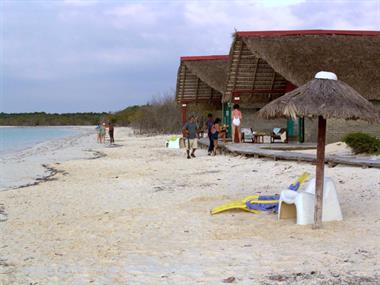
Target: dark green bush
[{"x": 362, "y": 143}]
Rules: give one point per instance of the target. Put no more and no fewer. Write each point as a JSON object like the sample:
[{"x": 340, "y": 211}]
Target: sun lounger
[
  {"x": 279, "y": 134},
  {"x": 300, "y": 205},
  {"x": 173, "y": 142},
  {"x": 257, "y": 203},
  {"x": 247, "y": 135}
]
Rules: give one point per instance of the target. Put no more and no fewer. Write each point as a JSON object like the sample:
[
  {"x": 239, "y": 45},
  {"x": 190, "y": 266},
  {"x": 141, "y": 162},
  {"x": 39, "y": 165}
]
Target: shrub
[
  {"x": 162, "y": 115},
  {"x": 362, "y": 143}
]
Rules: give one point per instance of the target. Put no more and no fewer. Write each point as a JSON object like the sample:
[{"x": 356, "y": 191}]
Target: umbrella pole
[{"x": 320, "y": 172}]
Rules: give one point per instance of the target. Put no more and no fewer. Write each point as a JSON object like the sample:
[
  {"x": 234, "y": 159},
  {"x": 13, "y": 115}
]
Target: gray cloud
[{"x": 74, "y": 55}]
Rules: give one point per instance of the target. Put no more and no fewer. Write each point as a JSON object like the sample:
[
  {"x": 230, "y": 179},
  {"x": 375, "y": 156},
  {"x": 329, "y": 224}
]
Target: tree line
[
  {"x": 161, "y": 115},
  {"x": 49, "y": 119}
]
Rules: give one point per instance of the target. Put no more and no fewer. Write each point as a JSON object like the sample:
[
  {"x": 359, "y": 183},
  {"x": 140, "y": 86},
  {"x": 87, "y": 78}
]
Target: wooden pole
[
  {"x": 319, "y": 176},
  {"x": 184, "y": 113}
]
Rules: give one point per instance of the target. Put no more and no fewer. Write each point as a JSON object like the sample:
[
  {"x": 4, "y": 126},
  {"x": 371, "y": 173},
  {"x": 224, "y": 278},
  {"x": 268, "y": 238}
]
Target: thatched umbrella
[{"x": 324, "y": 97}]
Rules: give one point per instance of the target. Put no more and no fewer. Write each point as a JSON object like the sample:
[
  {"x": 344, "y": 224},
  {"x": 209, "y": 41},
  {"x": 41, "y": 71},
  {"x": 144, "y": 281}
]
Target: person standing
[
  {"x": 98, "y": 138},
  {"x": 215, "y": 131},
  {"x": 190, "y": 134},
  {"x": 102, "y": 133},
  {"x": 209, "y": 124},
  {"x": 111, "y": 133},
  {"x": 236, "y": 122}
]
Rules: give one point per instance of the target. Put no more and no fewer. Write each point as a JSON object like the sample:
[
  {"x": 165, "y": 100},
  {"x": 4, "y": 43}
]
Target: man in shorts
[{"x": 191, "y": 136}]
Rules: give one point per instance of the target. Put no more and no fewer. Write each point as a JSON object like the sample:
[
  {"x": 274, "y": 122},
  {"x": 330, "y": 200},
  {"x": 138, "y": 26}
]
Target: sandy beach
[{"x": 140, "y": 215}]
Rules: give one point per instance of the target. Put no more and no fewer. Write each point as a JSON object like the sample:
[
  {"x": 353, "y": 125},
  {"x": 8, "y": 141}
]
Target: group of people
[
  {"x": 101, "y": 131},
  {"x": 214, "y": 132}
]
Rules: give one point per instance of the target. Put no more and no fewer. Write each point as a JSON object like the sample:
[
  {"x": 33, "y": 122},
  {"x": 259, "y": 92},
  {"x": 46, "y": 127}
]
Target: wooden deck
[{"x": 289, "y": 152}]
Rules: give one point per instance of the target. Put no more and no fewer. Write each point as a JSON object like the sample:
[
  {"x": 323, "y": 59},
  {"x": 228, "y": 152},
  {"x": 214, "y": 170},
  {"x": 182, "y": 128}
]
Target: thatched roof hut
[
  {"x": 268, "y": 60},
  {"x": 331, "y": 99},
  {"x": 201, "y": 79},
  {"x": 251, "y": 76}
]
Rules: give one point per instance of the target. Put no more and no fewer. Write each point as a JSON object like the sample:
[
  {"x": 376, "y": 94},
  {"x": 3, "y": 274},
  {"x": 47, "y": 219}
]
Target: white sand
[
  {"x": 340, "y": 149},
  {"x": 140, "y": 215}
]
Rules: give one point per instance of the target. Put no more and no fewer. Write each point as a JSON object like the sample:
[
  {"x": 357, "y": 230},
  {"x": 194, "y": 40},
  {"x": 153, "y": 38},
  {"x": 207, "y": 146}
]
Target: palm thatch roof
[
  {"x": 201, "y": 78},
  {"x": 297, "y": 55},
  {"x": 322, "y": 97},
  {"x": 251, "y": 78}
]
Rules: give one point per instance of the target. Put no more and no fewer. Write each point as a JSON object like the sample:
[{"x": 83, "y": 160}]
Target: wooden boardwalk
[{"x": 282, "y": 152}]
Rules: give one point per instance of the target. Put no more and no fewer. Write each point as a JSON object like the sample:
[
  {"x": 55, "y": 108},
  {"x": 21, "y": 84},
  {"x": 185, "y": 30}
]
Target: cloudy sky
[{"x": 83, "y": 55}]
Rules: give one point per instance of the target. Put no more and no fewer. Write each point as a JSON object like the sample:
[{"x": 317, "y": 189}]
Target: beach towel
[
  {"x": 257, "y": 203},
  {"x": 301, "y": 180},
  {"x": 264, "y": 203},
  {"x": 253, "y": 204}
]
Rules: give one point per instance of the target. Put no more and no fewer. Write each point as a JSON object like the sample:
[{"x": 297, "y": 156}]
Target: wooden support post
[
  {"x": 184, "y": 115},
  {"x": 319, "y": 176}
]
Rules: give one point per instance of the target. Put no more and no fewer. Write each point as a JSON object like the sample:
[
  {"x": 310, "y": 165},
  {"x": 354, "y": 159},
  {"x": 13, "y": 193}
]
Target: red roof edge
[
  {"x": 307, "y": 32},
  {"x": 204, "y": 57}
]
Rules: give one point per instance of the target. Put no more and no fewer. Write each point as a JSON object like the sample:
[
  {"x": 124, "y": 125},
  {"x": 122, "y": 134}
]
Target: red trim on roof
[
  {"x": 205, "y": 57},
  {"x": 216, "y": 101},
  {"x": 307, "y": 32},
  {"x": 258, "y": 91}
]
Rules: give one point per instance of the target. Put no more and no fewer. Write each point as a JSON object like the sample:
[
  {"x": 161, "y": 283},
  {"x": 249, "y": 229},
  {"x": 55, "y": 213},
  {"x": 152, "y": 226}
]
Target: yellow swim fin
[{"x": 238, "y": 205}]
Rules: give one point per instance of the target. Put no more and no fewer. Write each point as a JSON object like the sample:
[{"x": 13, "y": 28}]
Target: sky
[{"x": 104, "y": 55}]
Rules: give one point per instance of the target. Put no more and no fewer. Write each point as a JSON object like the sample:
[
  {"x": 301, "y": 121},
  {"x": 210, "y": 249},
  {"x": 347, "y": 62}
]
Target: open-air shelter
[
  {"x": 201, "y": 81},
  {"x": 264, "y": 65}
]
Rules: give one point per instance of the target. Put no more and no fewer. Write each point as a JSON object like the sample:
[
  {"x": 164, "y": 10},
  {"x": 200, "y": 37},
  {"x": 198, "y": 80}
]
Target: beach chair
[
  {"x": 173, "y": 142},
  {"x": 279, "y": 134},
  {"x": 300, "y": 205},
  {"x": 247, "y": 135},
  {"x": 257, "y": 203}
]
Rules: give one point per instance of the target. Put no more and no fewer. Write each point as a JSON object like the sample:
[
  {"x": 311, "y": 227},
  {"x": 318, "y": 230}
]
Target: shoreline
[
  {"x": 5, "y": 153},
  {"x": 32, "y": 165},
  {"x": 53, "y": 171}
]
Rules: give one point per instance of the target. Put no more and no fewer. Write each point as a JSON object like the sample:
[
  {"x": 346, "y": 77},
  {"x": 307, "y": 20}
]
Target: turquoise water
[{"x": 18, "y": 138}]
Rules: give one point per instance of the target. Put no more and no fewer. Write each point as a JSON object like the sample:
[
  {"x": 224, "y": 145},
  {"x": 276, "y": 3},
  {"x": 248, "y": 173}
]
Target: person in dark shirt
[
  {"x": 209, "y": 124},
  {"x": 190, "y": 134},
  {"x": 215, "y": 131},
  {"x": 111, "y": 133}
]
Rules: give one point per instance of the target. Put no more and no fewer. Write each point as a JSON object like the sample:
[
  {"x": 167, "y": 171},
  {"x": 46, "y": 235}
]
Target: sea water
[
  {"x": 19, "y": 138},
  {"x": 25, "y": 152}
]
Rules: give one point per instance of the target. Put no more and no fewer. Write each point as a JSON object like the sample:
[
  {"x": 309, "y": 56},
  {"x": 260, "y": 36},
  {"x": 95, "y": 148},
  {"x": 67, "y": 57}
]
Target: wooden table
[{"x": 259, "y": 137}]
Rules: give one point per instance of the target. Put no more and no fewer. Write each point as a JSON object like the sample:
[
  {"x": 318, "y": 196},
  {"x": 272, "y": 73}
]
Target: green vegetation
[
  {"x": 125, "y": 116},
  {"x": 45, "y": 119},
  {"x": 362, "y": 143},
  {"x": 162, "y": 115}
]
